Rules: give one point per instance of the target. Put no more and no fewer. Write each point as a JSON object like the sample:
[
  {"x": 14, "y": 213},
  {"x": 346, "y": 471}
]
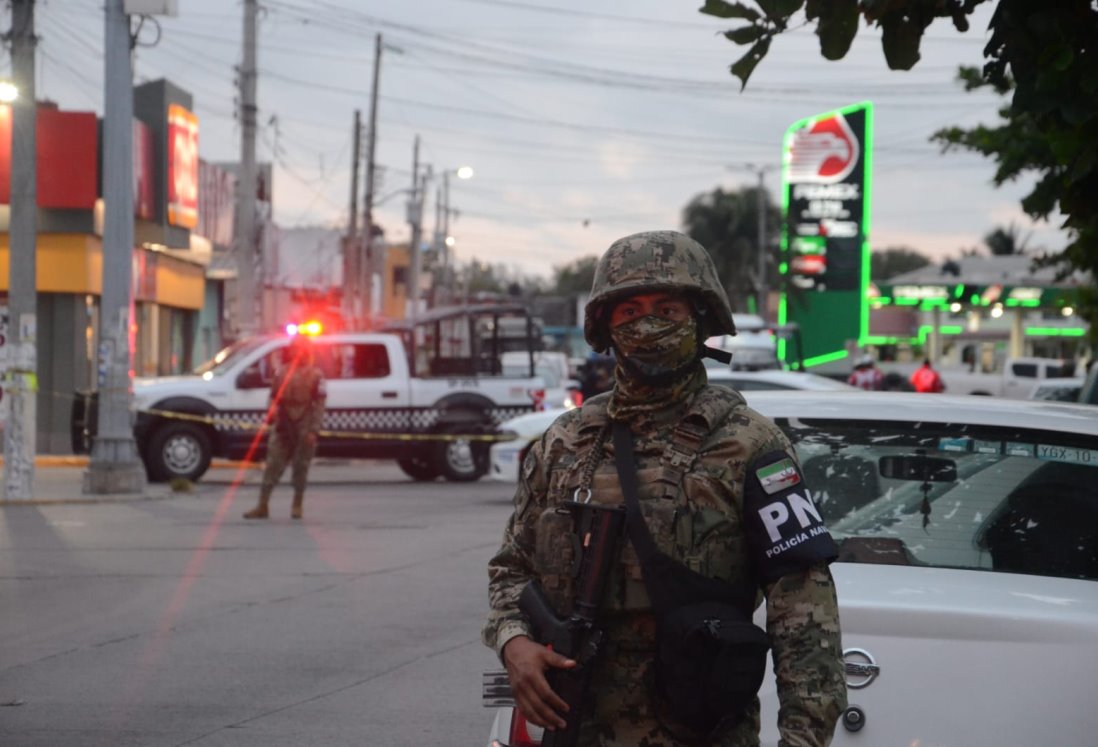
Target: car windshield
[
  {"x": 227, "y": 357},
  {"x": 988, "y": 498},
  {"x": 1058, "y": 393}
]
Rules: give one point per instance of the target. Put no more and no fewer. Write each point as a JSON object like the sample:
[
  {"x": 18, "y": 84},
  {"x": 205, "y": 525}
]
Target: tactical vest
[
  {"x": 298, "y": 394},
  {"x": 699, "y": 527}
]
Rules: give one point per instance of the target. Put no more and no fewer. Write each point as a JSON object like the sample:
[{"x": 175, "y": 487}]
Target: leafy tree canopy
[
  {"x": 576, "y": 277},
  {"x": 476, "y": 277},
  {"x": 1042, "y": 54},
  {"x": 893, "y": 261},
  {"x": 727, "y": 224}
]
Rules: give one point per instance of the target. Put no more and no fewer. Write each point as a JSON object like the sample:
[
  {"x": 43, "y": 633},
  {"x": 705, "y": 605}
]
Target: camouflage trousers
[
  {"x": 286, "y": 448},
  {"x": 625, "y": 712}
]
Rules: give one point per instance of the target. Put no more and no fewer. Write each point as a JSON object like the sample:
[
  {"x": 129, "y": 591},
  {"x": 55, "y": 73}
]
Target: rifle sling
[{"x": 669, "y": 583}]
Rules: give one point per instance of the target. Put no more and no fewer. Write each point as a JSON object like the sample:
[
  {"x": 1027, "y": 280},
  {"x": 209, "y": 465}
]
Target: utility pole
[
  {"x": 246, "y": 255},
  {"x": 763, "y": 256},
  {"x": 415, "y": 221},
  {"x": 439, "y": 243},
  {"x": 370, "y": 262},
  {"x": 115, "y": 466},
  {"x": 351, "y": 247},
  {"x": 445, "y": 227},
  {"x": 760, "y": 202},
  {"x": 21, "y": 382}
]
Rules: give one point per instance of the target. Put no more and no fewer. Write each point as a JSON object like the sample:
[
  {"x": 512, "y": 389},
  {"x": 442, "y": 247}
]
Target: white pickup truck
[
  {"x": 1018, "y": 379},
  {"x": 382, "y": 402}
]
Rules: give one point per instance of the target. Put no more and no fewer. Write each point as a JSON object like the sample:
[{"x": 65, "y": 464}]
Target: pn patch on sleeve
[{"x": 785, "y": 532}]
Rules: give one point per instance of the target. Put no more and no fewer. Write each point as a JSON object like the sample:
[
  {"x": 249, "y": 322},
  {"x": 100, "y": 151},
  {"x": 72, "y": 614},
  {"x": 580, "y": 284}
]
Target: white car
[
  {"x": 506, "y": 455},
  {"x": 968, "y": 573},
  {"x": 553, "y": 368},
  {"x": 770, "y": 379},
  {"x": 518, "y": 434}
]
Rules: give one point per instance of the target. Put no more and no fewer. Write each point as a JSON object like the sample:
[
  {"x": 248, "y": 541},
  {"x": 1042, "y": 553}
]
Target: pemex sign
[{"x": 825, "y": 230}]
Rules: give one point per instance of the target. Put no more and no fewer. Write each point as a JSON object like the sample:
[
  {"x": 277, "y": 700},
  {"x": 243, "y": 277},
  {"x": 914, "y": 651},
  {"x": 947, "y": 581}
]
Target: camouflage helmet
[{"x": 655, "y": 261}]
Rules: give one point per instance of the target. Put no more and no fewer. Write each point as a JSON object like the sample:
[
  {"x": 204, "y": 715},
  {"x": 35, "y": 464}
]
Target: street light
[
  {"x": 443, "y": 240},
  {"x": 9, "y": 92}
]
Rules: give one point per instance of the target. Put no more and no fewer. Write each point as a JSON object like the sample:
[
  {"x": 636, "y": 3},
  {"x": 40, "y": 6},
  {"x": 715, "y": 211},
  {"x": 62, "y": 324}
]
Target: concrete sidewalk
[
  {"x": 60, "y": 479},
  {"x": 64, "y": 483}
]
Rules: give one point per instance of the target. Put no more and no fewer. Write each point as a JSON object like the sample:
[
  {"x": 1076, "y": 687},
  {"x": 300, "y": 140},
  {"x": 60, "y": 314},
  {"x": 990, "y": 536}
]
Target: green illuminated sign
[{"x": 826, "y": 166}]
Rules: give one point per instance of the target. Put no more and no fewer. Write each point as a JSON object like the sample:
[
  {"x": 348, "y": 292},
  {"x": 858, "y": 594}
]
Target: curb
[
  {"x": 56, "y": 460},
  {"x": 85, "y": 500}
]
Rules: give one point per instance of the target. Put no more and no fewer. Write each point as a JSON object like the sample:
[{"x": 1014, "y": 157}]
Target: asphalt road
[{"x": 172, "y": 621}]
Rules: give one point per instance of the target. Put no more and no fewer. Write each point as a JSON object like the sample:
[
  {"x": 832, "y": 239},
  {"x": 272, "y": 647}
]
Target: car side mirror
[
  {"x": 250, "y": 378},
  {"x": 917, "y": 467}
]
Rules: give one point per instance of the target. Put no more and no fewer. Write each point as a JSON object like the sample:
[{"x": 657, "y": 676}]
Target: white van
[{"x": 552, "y": 367}]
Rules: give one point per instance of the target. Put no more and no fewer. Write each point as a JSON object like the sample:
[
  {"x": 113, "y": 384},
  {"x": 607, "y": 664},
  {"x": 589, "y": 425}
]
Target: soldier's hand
[{"x": 527, "y": 663}]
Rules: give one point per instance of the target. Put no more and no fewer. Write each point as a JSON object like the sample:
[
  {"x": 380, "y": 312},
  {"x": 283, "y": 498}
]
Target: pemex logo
[{"x": 824, "y": 152}]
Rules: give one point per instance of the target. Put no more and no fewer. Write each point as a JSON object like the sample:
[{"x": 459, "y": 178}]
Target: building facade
[
  {"x": 977, "y": 311},
  {"x": 169, "y": 260}
]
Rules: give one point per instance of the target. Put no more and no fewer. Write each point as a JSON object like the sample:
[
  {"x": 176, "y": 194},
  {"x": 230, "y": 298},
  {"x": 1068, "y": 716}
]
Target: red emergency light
[{"x": 309, "y": 329}]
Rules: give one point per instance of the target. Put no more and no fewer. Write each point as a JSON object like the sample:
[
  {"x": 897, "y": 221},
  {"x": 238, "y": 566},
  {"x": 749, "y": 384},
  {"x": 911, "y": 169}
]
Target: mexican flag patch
[{"x": 778, "y": 476}]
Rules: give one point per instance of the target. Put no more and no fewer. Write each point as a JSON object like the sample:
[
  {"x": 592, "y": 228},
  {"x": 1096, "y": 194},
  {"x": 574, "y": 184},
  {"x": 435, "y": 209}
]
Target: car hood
[
  {"x": 534, "y": 423},
  {"x": 966, "y": 658},
  {"x": 146, "y": 382},
  {"x": 146, "y": 391}
]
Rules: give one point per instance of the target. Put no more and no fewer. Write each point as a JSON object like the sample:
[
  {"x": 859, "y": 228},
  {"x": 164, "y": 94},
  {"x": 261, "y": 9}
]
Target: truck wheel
[
  {"x": 178, "y": 450},
  {"x": 418, "y": 470},
  {"x": 462, "y": 460}
]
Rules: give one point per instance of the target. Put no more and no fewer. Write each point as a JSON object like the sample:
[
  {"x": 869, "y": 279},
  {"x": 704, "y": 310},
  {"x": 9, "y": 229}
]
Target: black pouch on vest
[{"x": 710, "y": 656}]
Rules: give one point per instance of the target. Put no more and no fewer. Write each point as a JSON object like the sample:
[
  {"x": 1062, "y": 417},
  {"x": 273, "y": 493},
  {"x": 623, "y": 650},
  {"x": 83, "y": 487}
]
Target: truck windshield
[{"x": 227, "y": 357}]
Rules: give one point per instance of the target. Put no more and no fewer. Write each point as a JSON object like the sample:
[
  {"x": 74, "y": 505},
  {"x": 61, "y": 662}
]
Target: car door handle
[{"x": 389, "y": 395}]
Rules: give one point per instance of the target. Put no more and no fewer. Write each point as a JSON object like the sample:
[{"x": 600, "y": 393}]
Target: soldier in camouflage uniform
[
  {"x": 296, "y": 412},
  {"x": 655, "y": 299}
]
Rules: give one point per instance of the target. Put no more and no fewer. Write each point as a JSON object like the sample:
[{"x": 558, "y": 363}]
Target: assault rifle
[{"x": 578, "y": 637}]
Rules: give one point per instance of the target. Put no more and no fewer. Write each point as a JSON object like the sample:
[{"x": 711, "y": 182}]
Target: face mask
[{"x": 656, "y": 349}]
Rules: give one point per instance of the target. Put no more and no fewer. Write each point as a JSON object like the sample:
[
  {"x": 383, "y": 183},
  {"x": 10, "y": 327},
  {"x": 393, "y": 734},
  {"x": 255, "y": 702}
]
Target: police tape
[{"x": 250, "y": 425}]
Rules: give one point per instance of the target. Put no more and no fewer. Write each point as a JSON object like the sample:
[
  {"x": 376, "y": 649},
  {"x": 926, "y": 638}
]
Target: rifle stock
[{"x": 568, "y": 638}]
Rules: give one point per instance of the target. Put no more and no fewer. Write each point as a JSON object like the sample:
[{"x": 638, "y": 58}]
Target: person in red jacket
[{"x": 926, "y": 379}]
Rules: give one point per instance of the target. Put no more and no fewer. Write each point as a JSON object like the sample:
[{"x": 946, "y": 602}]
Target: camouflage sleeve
[
  {"x": 272, "y": 397},
  {"x": 512, "y": 567},
  {"x": 316, "y": 413},
  {"x": 802, "y": 618}
]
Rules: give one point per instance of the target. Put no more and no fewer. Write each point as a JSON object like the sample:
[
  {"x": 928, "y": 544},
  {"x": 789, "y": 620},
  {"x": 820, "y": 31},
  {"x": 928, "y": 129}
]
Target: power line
[{"x": 663, "y": 23}]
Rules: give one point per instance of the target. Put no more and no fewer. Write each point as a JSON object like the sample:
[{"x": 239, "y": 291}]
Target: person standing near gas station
[{"x": 926, "y": 379}]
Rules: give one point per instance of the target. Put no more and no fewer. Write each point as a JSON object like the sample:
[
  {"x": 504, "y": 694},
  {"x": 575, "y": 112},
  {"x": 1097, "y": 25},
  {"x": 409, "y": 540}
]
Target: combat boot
[
  {"x": 297, "y": 510},
  {"x": 259, "y": 512}
]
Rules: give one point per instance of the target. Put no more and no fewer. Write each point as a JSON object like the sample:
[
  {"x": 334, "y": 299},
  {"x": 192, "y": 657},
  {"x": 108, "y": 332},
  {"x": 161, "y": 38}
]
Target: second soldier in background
[{"x": 295, "y": 417}]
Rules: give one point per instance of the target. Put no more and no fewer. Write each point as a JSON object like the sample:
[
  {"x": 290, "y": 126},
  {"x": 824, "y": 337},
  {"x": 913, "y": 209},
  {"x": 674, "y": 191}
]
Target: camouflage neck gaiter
[{"x": 658, "y": 366}]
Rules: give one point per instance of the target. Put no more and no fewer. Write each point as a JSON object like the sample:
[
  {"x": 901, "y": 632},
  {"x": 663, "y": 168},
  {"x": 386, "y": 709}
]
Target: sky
[{"x": 584, "y": 120}]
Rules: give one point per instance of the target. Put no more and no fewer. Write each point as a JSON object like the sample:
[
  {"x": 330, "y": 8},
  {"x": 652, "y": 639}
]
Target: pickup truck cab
[
  {"x": 420, "y": 394},
  {"x": 1018, "y": 379}
]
